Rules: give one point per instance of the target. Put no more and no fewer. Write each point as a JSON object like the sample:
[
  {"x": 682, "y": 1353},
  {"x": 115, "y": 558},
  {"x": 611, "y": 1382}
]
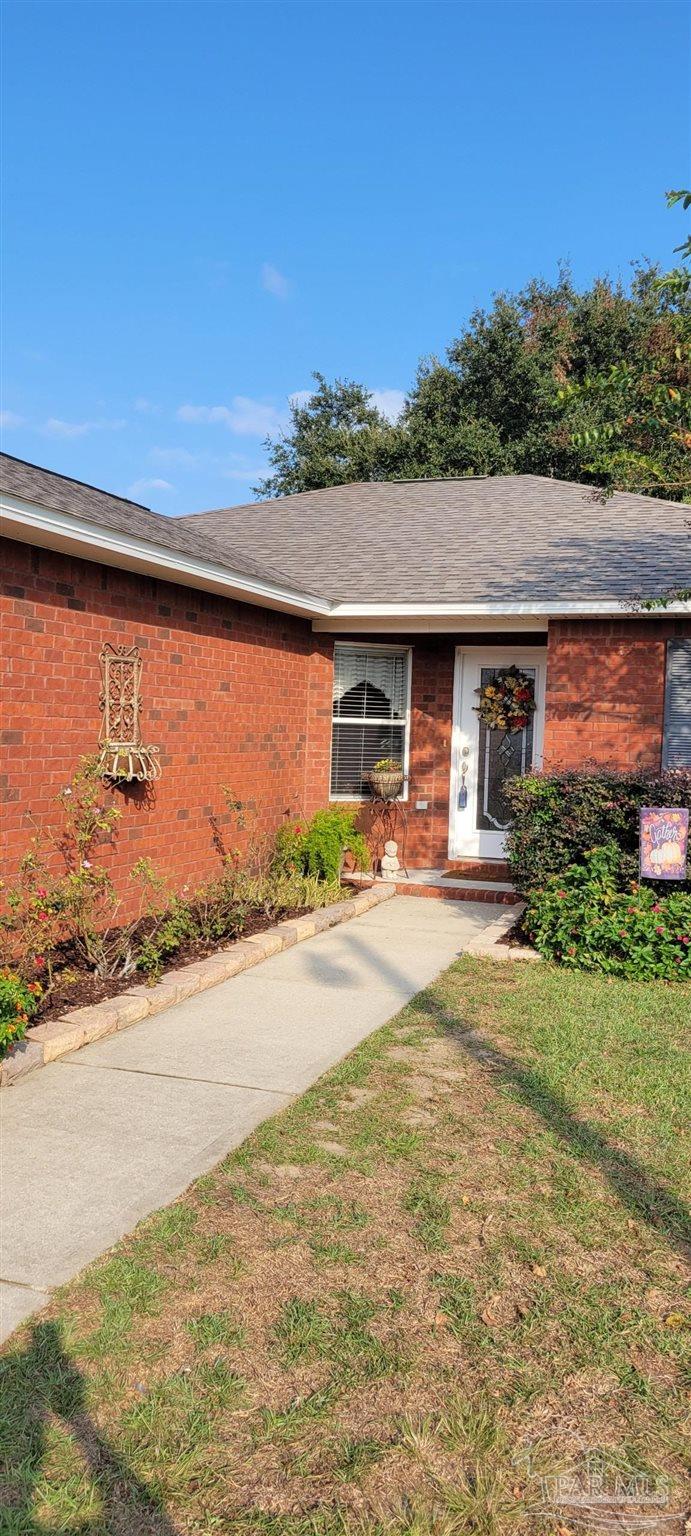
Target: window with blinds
[
  {"x": 676, "y": 742},
  {"x": 370, "y": 713}
]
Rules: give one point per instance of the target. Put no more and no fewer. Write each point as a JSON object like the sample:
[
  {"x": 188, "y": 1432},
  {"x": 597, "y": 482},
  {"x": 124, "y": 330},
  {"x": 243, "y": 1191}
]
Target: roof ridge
[{"x": 58, "y": 475}]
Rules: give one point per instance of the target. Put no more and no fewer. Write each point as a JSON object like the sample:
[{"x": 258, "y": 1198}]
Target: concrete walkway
[{"x": 102, "y": 1137}]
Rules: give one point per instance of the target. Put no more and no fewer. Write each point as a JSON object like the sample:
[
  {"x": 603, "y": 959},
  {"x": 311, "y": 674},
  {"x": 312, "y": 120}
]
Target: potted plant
[{"x": 385, "y": 779}]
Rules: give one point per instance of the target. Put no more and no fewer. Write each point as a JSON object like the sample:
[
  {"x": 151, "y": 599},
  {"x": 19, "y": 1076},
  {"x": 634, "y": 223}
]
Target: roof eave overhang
[
  {"x": 439, "y": 617},
  {"x": 31, "y": 523}
]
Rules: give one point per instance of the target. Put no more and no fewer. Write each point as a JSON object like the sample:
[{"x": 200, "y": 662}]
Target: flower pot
[{"x": 385, "y": 786}]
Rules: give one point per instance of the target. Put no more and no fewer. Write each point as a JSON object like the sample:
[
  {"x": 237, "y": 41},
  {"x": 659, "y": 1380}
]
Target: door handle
[{"x": 463, "y": 791}]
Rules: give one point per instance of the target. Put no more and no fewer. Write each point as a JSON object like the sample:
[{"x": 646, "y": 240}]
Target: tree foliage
[{"x": 590, "y": 386}]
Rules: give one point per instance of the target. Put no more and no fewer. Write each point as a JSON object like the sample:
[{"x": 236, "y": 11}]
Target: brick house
[{"x": 287, "y": 645}]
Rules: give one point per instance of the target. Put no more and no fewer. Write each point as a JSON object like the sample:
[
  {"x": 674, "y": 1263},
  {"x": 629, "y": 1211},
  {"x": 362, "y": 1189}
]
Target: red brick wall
[
  {"x": 239, "y": 695},
  {"x": 605, "y": 691},
  {"x": 228, "y": 691}
]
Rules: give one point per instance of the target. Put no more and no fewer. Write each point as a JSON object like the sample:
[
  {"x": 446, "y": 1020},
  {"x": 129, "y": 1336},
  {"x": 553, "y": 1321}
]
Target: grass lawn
[{"x": 447, "y": 1272}]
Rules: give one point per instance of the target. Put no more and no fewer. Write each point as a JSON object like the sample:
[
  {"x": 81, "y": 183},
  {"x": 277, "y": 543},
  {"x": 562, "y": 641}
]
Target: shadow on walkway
[{"x": 37, "y": 1385}]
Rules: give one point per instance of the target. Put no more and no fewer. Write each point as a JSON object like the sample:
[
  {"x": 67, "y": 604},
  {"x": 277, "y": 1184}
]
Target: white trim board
[
  {"x": 441, "y": 616},
  {"x": 50, "y": 529}
]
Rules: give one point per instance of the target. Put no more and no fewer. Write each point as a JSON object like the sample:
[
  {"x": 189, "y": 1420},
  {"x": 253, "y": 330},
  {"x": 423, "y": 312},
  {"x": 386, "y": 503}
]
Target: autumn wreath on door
[{"x": 507, "y": 701}]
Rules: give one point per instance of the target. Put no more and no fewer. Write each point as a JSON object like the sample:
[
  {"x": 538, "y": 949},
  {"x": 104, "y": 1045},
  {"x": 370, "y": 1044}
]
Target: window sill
[{"x": 363, "y": 800}]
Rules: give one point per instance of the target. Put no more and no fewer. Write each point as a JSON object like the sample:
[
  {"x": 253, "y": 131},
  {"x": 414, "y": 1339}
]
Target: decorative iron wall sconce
[{"x": 124, "y": 759}]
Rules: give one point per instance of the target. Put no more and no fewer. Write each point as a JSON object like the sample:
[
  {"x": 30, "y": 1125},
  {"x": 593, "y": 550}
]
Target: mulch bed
[{"x": 84, "y": 988}]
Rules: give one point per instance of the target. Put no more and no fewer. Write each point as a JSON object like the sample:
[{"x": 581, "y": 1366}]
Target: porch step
[
  {"x": 436, "y": 884},
  {"x": 461, "y": 890},
  {"x": 478, "y": 869}
]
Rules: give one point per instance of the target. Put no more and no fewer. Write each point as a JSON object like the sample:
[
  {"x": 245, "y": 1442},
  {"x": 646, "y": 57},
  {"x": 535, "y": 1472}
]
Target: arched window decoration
[
  {"x": 124, "y": 758},
  {"x": 370, "y": 714}
]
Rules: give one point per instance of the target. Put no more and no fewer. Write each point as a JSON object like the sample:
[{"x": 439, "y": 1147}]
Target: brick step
[
  {"x": 477, "y": 869},
  {"x": 456, "y": 893}
]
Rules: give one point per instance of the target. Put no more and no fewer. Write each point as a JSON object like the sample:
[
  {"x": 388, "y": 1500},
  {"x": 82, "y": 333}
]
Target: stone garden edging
[
  {"x": 488, "y": 942},
  {"x": 46, "y": 1042}
]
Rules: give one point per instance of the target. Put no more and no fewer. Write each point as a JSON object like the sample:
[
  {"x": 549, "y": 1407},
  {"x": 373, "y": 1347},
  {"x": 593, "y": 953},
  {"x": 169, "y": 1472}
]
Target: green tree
[
  {"x": 589, "y": 386},
  {"x": 337, "y": 437},
  {"x": 633, "y": 418}
]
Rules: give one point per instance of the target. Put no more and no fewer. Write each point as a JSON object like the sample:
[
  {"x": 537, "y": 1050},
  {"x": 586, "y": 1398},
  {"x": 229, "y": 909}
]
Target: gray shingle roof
[
  {"x": 47, "y": 489},
  {"x": 505, "y": 539},
  {"x": 508, "y": 538}
]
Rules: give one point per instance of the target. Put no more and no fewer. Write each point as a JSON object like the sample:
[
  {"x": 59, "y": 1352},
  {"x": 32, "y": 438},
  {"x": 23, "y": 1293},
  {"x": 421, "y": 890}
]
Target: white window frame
[{"x": 398, "y": 650}]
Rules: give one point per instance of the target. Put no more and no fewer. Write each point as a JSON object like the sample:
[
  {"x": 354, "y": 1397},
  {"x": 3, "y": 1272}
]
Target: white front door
[{"x": 483, "y": 759}]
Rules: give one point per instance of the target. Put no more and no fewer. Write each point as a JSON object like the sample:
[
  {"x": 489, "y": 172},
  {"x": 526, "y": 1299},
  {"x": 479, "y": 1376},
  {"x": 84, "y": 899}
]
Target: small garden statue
[{"x": 389, "y": 863}]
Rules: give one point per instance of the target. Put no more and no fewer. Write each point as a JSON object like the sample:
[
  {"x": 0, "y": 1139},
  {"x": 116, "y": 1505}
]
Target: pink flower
[
  {"x": 86, "y": 864},
  {"x": 42, "y": 917},
  {"x": 42, "y": 892},
  {"x": 39, "y": 962},
  {"x": 561, "y": 895},
  {"x": 659, "y": 930},
  {"x": 657, "y": 907}
]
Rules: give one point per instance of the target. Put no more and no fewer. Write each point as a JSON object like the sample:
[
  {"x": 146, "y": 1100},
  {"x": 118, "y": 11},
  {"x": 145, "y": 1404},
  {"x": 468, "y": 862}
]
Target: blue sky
[{"x": 205, "y": 202}]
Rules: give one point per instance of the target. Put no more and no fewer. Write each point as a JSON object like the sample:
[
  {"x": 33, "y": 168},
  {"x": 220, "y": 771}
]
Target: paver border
[
  {"x": 488, "y": 943},
  {"x": 80, "y": 1026}
]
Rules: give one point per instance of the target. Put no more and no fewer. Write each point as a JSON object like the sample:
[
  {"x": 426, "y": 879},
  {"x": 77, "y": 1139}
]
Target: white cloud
[
  {"x": 149, "y": 483},
  {"x": 274, "y": 282},
  {"x": 11, "y": 419},
  {"x": 389, "y": 401},
  {"x": 204, "y": 413},
  {"x": 146, "y": 407},
  {"x": 252, "y": 418},
  {"x": 244, "y": 474},
  {"x": 245, "y": 417},
  {"x": 180, "y": 456},
  {"x": 54, "y": 427}
]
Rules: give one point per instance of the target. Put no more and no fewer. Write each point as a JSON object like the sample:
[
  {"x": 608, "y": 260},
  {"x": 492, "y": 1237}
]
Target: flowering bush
[
  {"x": 558, "y": 817},
  {"x": 63, "y": 914},
  {"x": 583, "y": 919},
  {"x": 18, "y": 1002},
  {"x": 288, "y": 847}
]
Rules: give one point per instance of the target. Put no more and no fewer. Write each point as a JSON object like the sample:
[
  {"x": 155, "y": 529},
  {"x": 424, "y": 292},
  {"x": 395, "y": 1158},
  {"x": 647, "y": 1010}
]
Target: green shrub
[
  {"x": 583, "y": 919},
  {"x": 318, "y": 848},
  {"x": 558, "y": 818},
  {"x": 330, "y": 834},
  {"x": 165, "y": 939},
  {"x": 275, "y": 892},
  {"x": 18, "y": 1003}
]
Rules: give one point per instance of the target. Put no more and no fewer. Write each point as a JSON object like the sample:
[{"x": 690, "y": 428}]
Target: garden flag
[{"x": 664, "y": 840}]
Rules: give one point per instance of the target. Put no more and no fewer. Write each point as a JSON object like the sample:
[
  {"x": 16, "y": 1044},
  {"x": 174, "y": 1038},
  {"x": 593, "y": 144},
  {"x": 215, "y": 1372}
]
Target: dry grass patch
[{"x": 454, "y": 1264}]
